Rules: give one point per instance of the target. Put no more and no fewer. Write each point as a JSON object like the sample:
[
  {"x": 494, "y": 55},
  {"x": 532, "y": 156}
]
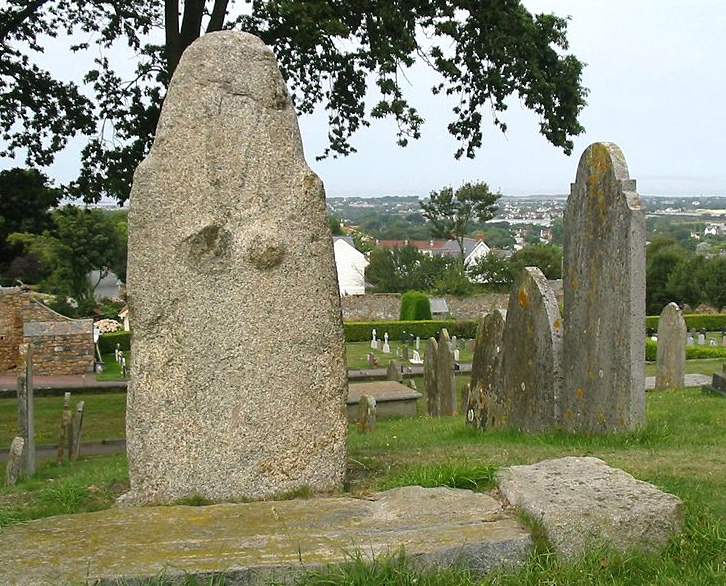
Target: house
[
  {"x": 473, "y": 249},
  {"x": 351, "y": 265}
]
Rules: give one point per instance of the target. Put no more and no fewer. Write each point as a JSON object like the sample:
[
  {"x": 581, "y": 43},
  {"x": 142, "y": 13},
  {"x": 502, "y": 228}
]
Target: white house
[
  {"x": 473, "y": 249},
  {"x": 351, "y": 265}
]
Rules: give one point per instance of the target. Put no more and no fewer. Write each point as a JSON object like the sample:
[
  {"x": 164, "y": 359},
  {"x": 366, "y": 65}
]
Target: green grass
[
  {"x": 103, "y": 419},
  {"x": 705, "y": 366},
  {"x": 112, "y": 369},
  {"x": 681, "y": 449}
]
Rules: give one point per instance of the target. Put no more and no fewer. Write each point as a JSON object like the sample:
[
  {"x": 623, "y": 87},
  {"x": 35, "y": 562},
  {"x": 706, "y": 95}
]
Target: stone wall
[
  {"x": 60, "y": 345},
  {"x": 386, "y": 306}
]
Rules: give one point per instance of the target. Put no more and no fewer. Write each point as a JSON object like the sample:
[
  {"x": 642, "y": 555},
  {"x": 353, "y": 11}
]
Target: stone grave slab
[
  {"x": 485, "y": 370},
  {"x": 583, "y": 502},
  {"x": 393, "y": 399},
  {"x": 253, "y": 543}
]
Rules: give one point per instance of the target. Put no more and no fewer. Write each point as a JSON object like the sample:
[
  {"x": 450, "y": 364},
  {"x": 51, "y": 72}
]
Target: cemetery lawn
[
  {"x": 357, "y": 354},
  {"x": 682, "y": 449}
]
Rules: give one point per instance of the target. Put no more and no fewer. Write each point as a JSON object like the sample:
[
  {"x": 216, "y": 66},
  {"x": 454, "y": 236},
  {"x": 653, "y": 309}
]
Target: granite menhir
[{"x": 238, "y": 376}]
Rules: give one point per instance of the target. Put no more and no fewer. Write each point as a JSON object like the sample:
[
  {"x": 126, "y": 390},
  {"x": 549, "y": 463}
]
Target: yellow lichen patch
[
  {"x": 558, "y": 324},
  {"x": 573, "y": 284},
  {"x": 569, "y": 414},
  {"x": 601, "y": 417},
  {"x": 523, "y": 298},
  {"x": 580, "y": 393}
]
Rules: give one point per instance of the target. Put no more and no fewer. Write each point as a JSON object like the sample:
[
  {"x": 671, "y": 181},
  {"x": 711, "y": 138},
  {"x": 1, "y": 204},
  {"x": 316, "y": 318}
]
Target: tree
[
  {"x": 714, "y": 282},
  {"x": 327, "y": 51},
  {"x": 662, "y": 257},
  {"x": 335, "y": 228},
  {"x": 80, "y": 241},
  {"x": 26, "y": 198},
  {"x": 493, "y": 272},
  {"x": 450, "y": 212},
  {"x": 545, "y": 257}
]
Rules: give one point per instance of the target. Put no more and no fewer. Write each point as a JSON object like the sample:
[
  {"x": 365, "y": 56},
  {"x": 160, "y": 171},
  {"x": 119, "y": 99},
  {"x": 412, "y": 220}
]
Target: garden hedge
[
  {"x": 415, "y": 306},
  {"x": 361, "y": 331},
  {"x": 107, "y": 342},
  {"x": 692, "y": 352},
  {"x": 713, "y": 322}
]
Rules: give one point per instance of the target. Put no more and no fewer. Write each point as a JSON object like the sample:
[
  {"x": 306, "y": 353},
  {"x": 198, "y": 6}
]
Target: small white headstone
[
  {"x": 386, "y": 347},
  {"x": 418, "y": 342},
  {"x": 374, "y": 342},
  {"x": 689, "y": 341},
  {"x": 416, "y": 359},
  {"x": 456, "y": 355},
  {"x": 713, "y": 343},
  {"x": 701, "y": 339}
]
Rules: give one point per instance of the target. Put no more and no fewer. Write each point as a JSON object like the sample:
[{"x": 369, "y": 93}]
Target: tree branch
[
  {"x": 171, "y": 27},
  {"x": 216, "y": 20},
  {"x": 17, "y": 18}
]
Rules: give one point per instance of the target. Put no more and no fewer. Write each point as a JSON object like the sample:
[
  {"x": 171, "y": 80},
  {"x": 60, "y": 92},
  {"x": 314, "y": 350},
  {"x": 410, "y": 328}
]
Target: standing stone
[
  {"x": 485, "y": 372},
  {"x": 433, "y": 399},
  {"x": 15, "y": 461},
  {"x": 671, "y": 356},
  {"x": 231, "y": 262},
  {"x": 604, "y": 284},
  {"x": 531, "y": 368},
  {"x": 366, "y": 414},
  {"x": 445, "y": 379},
  {"x": 393, "y": 372},
  {"x": 26, "y": 409},
  {"x": 701, "y": 339}
]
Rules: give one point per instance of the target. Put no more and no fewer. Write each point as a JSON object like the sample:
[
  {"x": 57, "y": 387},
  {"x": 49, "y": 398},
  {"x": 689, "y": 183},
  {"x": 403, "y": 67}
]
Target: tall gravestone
[
  {"x": 26, "y": 409},
  {"x": 229, "y": 248},
  {"x": 531, "y": 367},
  {"x": 604, "y": 288},
  {"x": 445, "y": 378},
  {"x": 433, "y": 399},
  {"x": 671, "y": 354},
  {"x": 485, "y": 371}
]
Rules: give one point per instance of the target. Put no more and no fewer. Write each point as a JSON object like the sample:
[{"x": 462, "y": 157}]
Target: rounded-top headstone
[
  {"x": 604, "y": 289},
  {"x": 485, "y": 371},
  {"x": 531, "y": 365},
  {"x": 239, "y": 382},
  {"x": 671, "y": 353}
]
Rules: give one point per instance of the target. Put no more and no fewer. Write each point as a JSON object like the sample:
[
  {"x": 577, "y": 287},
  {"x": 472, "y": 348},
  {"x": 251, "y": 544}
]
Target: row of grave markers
[{"x": 535, "y": 371}]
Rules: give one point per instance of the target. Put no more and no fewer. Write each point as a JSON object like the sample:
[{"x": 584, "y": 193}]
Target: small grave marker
[
  {"x": 15, "y": 461},
  {"x": 366, "y": 414}
]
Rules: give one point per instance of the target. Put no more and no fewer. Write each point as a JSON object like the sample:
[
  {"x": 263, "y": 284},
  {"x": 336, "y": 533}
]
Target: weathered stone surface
[
  {"x": 26, "y": 409},
  {"x": 433, "y": 399},
  {"x": 393, "y": 372},
  {"x": 231, "y": 262},
  {"x": 485, "y": 369},
  {"x": 15, "y": 461},
  {"x": 392, "y": 399},
  {"x": 583, "y": 502},
  {"x": 366, "y": 414},
  {"x": 531, "y": 363},
  {"x": 254, "y": 542},
  {"x": 671, "y": 355},
  {"x": 445, "y": 378},
  {"x": 604, "y": 281}
]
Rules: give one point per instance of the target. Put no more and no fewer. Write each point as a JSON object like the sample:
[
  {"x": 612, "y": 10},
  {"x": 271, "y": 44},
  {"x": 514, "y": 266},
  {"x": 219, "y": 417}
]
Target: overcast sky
[{"x": 654, "y": 69}]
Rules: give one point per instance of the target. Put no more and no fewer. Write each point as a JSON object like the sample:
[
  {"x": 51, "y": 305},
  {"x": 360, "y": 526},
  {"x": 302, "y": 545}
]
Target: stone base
[{"x": 253, "y": 543}]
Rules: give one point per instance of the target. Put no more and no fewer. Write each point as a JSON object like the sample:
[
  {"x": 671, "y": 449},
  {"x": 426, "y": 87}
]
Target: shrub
[
  {"x": 361, "y": 331},
  {"x": 415, "y": 306},
  {"x": 107, "y": 342},
  {"x": 713, "y": 322},
  {"x": 692, "y": 352}
]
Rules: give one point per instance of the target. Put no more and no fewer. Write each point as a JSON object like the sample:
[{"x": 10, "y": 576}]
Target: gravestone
[
  {"x": 393, "y": 372},
  {"x": 604, "y": 286},
  {"x": 366, "y": 413},
  {"x": 485, "y": 372},
  {"x": 445, "y": 379},
  {"x": 416, "y": 358},
  {"x": 374, "y": 342},
  {"x": 386, "y": 346},
  {"x": 689, "y": 340},
  {"x": 431, "y": 384},
  {"x": 14, "y": 465},
  {"x": 229, "y": 248},
  {"x": 26, "y": 409},
  {"x": 701, "y": 339},
  {"x": 372, "y": 360},
  {"x": 531, "y": 368},
  {"x": 671, "y": 355}
]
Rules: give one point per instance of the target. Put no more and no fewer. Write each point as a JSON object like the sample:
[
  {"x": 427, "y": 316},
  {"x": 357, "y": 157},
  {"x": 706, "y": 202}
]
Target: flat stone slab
[
  {"x": 692, "y": 380},
  {"x": 254, "y": 542},
  {"x": 583, "y": 502},
  {"x": 393, "y": 399}
]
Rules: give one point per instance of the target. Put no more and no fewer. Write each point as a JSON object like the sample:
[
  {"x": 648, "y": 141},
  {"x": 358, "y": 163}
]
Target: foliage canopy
[{"x": 329, "y": 53}]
